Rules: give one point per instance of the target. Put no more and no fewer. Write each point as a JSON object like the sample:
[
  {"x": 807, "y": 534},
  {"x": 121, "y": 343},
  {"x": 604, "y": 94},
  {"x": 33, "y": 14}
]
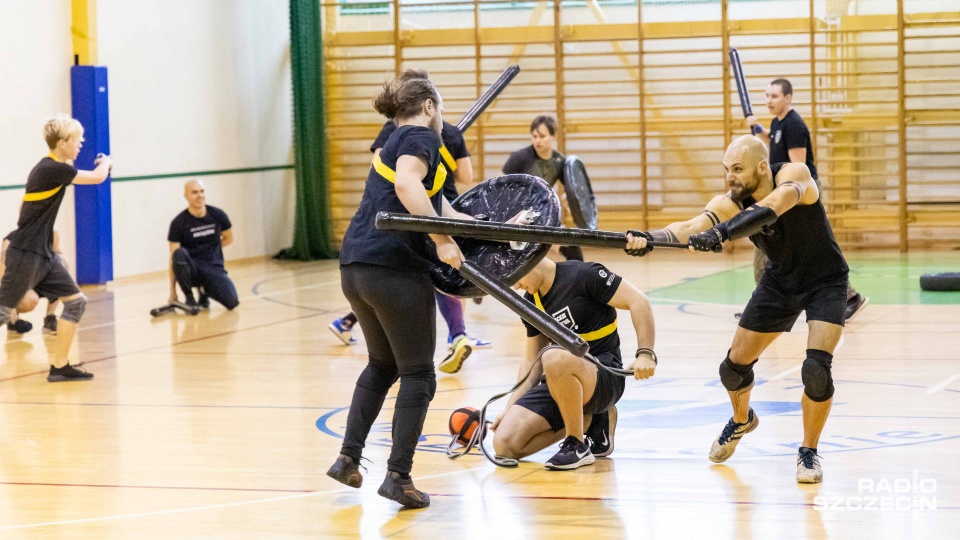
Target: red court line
[
  {"x": 158, "y": 347},
  {"x": 196, "y": 488}
]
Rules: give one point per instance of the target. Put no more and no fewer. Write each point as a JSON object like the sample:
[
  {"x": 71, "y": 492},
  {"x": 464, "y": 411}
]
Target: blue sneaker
[
  {"x": 475, "y": 343},
  {"x": 343, "y": 332}
]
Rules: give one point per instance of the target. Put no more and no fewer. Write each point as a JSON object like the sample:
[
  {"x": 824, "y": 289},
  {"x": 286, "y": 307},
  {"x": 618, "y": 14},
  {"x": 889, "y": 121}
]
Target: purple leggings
[{"x": 452, "y": 311}]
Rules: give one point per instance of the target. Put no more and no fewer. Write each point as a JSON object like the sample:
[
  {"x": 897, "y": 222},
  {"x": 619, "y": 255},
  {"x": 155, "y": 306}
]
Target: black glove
[
  {"x": 639, "y": 234},
  {"x": 709, "y": 240}
]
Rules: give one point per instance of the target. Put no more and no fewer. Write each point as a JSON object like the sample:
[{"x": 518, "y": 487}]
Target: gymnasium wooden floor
[{"x": 223, "y": 425}]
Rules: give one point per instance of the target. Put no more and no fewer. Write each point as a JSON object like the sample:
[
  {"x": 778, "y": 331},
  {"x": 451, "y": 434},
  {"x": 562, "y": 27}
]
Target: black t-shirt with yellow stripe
[
  {"x": 363, "y": 243},
  {"x": 46, "y": 186},
  {"x": 454, "y": 148},
  {"x": 578, "y": 300}
]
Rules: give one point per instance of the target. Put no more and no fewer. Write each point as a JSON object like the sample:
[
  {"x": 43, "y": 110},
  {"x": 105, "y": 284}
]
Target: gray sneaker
[
  {"x": 50, "y": 325},
  {"x": 729, "y": 438},
  {"x": 68, "y": 373},
  {"x": 854, "y": 306},
  {"x": 808, "y": 466}
]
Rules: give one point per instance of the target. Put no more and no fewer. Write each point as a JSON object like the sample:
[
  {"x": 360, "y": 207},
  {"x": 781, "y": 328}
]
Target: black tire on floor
[{"x": 943, "y": 281}]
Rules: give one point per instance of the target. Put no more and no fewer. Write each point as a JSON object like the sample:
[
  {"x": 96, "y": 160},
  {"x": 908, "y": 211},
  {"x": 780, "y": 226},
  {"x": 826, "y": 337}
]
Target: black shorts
[
  {"x": 607, "y": 393},
  {"x": 26, "y": 271},
  {"x": 773, "y": 309}
]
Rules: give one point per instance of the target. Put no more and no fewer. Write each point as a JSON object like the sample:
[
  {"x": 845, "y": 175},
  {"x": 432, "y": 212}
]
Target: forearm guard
[{"x": 747, "y": 223}]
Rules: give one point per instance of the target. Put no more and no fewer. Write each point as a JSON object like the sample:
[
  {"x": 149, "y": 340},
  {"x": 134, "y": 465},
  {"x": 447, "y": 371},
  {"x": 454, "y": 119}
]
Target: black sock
[{"x": 350, "y": 319}]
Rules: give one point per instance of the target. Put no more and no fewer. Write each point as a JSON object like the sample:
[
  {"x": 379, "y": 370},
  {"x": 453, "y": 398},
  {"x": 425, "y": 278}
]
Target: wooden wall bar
[{"x": 644, "y": 97}]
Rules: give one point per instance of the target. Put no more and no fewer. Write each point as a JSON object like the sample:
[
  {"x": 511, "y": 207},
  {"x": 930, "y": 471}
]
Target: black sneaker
[
  {"x": 50, "y": 325},
  {"x": 346, "y": 471},
  {"x": 402, "y": 490},
  {"x": 68, "y": 373},
  {"x": 20, "y": 327},
  {"x": 573, "y": 454},
  {"x": 601, "y": 432},
  {"x": 808, "y": 466},
  {"x": 729, "y": 438},
  {"x": 854, "y": 306}
]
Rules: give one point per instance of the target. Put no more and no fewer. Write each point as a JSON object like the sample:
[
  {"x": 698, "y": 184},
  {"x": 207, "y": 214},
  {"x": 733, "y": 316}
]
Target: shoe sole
[
  {"x": 400, "y": 496},
  {"x": 61, "y": 378},
  {"x": 809, "y": 480},
  {"x": 588, "y": 459},
  {"x": 453, "y": 363},
  {"x": 734, "y": 447},
  {"x": 340, "y": 335},
  {"x": 613, "y": 428},
  {"x": 857, "y": 312},
  {"x": 339, "y": 477}
]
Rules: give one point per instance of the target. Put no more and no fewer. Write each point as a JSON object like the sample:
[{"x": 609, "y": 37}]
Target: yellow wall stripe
[{"x": 83, "y": 28}]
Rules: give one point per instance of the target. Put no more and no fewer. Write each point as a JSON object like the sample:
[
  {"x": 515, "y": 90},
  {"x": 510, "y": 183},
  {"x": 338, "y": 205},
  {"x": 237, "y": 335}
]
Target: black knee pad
[
  {"x": 735, "y": 376},
  {"x": 816, "y": 375},
  {"x": 417, "y": 389}
]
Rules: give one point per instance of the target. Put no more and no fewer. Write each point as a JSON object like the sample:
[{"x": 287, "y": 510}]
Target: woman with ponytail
[{"x": 385, "y": 277}]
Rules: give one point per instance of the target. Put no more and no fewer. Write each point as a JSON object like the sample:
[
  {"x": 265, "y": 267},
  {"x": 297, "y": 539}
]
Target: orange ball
[{"x": 463, "y": 424}]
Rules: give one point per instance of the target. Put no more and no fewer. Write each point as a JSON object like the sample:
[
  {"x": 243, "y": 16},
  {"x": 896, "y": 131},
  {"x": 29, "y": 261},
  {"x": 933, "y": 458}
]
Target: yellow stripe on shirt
[
  {"x": 589, "y": 336},
  {"x": 448, "y": 158},
  {"x": 390, "y": 175},
  {"x": 43, "y": 195}
]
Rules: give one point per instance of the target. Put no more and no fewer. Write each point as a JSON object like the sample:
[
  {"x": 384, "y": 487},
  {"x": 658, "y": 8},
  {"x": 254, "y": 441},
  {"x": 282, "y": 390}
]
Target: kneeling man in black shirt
[
  {"x": 197, "y": 238},
  {"x": 564, "y": 392}
]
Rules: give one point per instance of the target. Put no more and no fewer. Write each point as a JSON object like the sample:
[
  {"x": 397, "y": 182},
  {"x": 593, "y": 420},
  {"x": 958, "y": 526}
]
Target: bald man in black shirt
[{"x": 778, "y": 207}]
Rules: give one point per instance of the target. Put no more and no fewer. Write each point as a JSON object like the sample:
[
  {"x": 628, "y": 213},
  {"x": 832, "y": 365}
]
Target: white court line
[
  {"x": 671, "y": 408},
  {"x": 943, "y": 384},
  {"x": 39, "y": 338},
  {"x": 783, "y": 374},
  {"x": 207, "y": 507}
]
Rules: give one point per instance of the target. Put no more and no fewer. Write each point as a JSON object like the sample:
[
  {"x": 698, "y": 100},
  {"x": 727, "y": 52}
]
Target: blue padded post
[{"x": 93, "y": 209}]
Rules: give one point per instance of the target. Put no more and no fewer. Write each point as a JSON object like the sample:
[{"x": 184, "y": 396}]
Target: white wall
[
  {"x": 35, "y": 58},
  {"x": 195, "y": 85},
  {"x": 198, "y": 85}
]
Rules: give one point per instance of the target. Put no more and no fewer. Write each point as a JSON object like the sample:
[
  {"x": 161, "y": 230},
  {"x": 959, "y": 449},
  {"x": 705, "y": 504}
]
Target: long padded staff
[
  {"x": 742, "y": 88},
  {"x": 487, "y": 98},
  {"x": 504, "y": 232}
]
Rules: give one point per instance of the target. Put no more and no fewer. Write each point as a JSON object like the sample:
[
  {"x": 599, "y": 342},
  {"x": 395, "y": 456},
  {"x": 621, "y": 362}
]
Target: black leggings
[{"x": 396, "y": 310}]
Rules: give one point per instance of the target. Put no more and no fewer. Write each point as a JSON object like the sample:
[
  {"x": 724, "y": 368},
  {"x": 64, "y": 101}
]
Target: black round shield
[
  {"x": 499, "y": 199},
  {"x": 576, "y": 183}
]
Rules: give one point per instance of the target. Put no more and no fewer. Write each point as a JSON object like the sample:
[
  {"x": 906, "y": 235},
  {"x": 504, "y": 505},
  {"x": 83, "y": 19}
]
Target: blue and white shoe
[
  {"x": 475, "y": 343},
  {"x": 343, "y": 332}
]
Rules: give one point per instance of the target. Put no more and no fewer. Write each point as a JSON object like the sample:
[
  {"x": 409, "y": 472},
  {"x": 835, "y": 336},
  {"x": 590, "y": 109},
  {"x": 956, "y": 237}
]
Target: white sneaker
[
  {"x": 729, "y": 438},
  {"x": 808, "y": 467}
]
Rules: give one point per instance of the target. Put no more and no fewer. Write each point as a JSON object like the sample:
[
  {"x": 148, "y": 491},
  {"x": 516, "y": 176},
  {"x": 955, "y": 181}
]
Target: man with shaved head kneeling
[
  {"x": 197, "y": 238},
  {"x": 563, "y": 393},
  {"x": 778, "y": 206}
]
